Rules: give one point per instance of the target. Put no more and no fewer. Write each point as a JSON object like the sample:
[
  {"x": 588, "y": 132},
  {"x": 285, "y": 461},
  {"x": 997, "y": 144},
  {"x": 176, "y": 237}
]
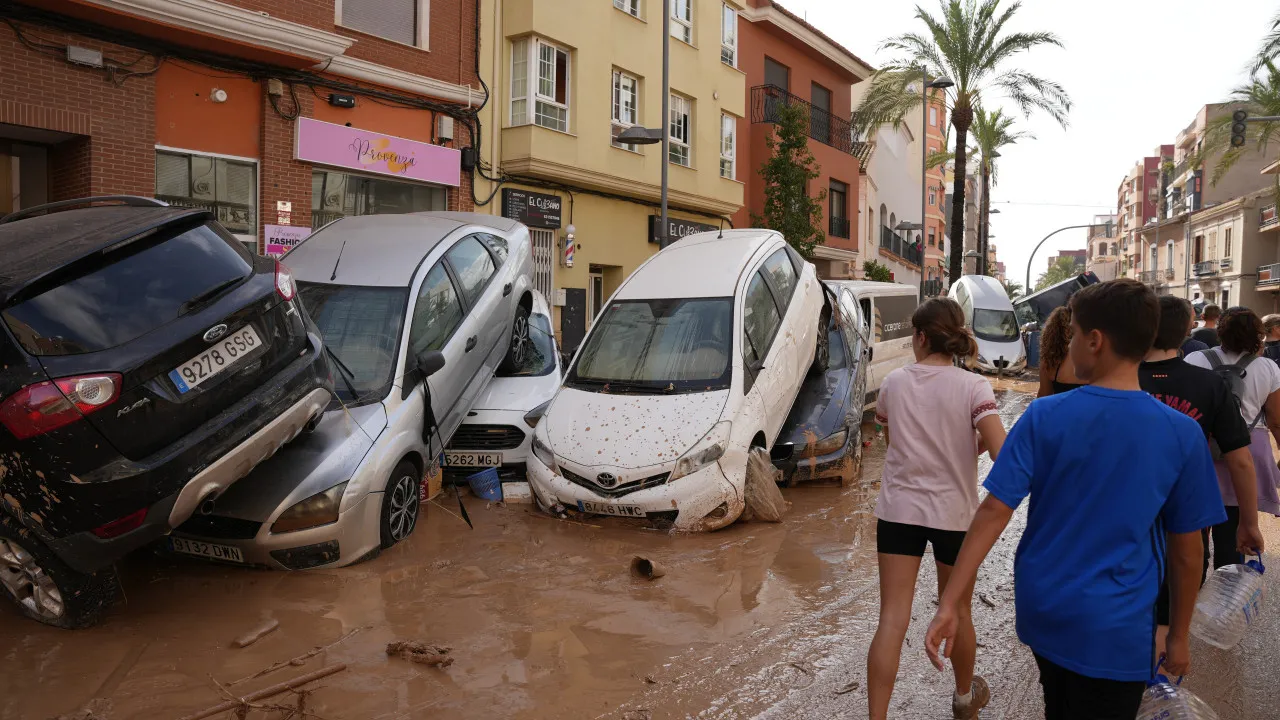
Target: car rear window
[{"x": 132, "y": 291}]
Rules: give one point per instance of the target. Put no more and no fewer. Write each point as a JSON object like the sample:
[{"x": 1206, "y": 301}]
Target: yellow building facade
[{"x": 565, "y": 77}]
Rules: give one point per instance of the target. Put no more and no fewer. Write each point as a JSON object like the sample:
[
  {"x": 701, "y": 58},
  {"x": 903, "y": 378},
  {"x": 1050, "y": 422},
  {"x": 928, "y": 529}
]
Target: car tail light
[
  {"x": 37, "y": 409},
  {"x": 116, "y": 528},
  {"x": 285, "y": 286}
]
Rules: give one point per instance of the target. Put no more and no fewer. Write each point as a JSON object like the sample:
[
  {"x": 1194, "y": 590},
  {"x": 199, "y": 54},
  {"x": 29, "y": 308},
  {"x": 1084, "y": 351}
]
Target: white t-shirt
[
  {"x": 931, "y": 467},
  {"x": 1261, "y": 378}
]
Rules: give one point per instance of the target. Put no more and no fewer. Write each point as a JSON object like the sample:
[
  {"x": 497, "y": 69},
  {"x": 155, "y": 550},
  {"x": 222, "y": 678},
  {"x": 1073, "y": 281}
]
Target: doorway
[
  {"x": 595, "y": 293},
  {"x": 24, "y": 176}
]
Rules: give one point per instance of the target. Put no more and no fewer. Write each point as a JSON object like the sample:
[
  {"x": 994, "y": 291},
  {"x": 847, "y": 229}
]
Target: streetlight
[
  {"x": 941, "y": 83},
  {"x": 1027, "y": 287},
  {"x": 650, "y": 136}
]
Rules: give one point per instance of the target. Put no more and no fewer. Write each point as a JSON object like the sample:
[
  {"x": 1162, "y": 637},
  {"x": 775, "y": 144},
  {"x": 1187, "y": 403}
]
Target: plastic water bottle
[
  {"x": 1164, "y": 700},
  {"x": 1229, "y": 602}
]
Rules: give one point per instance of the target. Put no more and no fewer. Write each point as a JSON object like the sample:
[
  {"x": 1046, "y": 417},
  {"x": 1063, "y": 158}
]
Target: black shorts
[
  {"x": 901, "y": 539},
  {"x": 1071, "y": 696}
]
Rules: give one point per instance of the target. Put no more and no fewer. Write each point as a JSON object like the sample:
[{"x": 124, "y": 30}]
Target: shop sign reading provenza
[{"x": 366, "y": 151}]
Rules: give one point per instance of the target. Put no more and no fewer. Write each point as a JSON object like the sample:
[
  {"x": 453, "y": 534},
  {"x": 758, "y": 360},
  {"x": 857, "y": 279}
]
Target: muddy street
[{"x": 544, "y": 620}]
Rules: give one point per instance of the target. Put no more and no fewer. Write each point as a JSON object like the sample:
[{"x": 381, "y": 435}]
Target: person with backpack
[
  {"x": 1256, "y": 387},
  {"x": 1206, "y": 397}
]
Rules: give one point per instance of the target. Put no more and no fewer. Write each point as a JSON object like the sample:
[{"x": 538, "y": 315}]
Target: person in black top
[
  {"x": 1209, "y": 333},
  {"x": 1205, "y": 397},
  {"x": 1057, "y": 374},
  {"x": 1271, "y": 348}
]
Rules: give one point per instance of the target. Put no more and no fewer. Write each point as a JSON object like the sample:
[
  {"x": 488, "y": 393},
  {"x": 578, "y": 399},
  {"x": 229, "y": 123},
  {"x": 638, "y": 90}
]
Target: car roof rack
[{"x": 128, "y": 200}]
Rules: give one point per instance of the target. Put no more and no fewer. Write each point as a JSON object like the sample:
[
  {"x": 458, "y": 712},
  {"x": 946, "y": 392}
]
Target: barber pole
[{"x": 568, "y": 249}]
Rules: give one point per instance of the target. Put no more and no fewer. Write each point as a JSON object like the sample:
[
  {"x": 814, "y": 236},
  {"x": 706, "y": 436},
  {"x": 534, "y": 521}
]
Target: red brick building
[
  {"x": 271, "y": 113},
  {"x": 787, "y": 60}
]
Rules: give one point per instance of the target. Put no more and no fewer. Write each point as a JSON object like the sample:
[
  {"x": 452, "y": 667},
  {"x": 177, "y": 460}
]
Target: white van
[
  {"x": 988, "y": 312},
  {"x": 885, "y": 310}
]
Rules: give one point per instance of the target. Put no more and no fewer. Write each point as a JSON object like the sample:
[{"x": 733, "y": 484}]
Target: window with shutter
[
  {"x": 678, "y": 127},
  {"x": 396, "y": 20},
  {"x": 226, "y": 187}
]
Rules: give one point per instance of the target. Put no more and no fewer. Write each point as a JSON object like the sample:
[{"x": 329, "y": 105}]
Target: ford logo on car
[
  {"x": 606, "y": 480},
  {"x": 215, "y": 332}
]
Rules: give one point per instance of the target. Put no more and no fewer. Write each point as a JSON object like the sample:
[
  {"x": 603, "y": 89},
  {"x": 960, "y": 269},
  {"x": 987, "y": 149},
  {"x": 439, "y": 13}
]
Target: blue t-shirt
[{"x": 1108, "y": 472}]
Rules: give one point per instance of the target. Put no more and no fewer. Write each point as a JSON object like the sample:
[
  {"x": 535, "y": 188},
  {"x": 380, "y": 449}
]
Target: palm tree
[
  {"x": 991, "y": 131},
  {"x": 968, "y": 44},
  {"x": 1270, "y": 45}
]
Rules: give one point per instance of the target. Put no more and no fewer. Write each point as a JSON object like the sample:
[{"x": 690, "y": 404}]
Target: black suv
[{"x": 147, "y": 362}]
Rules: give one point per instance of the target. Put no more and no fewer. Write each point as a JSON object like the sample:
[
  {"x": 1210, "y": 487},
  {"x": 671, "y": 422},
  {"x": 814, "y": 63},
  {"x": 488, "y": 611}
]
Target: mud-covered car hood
[
  {"x": 820, "y": 409},
  {"x": 313, "y": 462},
  {"x": 629, "y": 431}
]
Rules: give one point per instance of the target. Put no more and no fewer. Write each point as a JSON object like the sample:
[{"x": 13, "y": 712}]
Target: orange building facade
[
  {"x": 935, "y": 222},
  {"x": 786, "y": 61},
  {"x": 253, "y": 109}
]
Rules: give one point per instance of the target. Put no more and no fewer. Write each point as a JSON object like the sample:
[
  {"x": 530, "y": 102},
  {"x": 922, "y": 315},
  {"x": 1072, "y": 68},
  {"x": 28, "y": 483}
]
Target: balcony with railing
[
  {"x": 824, "y": 126},
  {"x": 1268, "y": 219},
  {"x": 932, "y": 288},
  {"x": 839, "y": 227},
  {"x": 1269, "y": 276},
  {"x": 1205, "y": 269},
  {"x": 1149, "y": 277},
  {"x": 893, "y": 243}
]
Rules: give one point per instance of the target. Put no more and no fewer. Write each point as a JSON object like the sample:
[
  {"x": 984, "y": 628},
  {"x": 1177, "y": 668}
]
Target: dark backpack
[{"x": 1234, "y": 374}]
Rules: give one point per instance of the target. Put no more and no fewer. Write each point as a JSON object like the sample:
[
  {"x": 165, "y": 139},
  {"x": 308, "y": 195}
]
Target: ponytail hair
[{"x": 942, "y": 322}]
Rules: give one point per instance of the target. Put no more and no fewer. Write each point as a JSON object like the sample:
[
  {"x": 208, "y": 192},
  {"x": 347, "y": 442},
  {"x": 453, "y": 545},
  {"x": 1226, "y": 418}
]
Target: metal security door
[{"x": 544, "y": 262}]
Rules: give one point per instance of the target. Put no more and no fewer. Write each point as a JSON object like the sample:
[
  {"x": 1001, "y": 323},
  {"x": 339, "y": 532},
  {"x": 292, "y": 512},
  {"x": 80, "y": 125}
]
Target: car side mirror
[{"x": 429, "y": 363}]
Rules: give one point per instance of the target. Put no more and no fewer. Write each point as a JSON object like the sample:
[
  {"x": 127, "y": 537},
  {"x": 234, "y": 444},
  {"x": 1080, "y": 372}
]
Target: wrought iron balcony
[
  {"x": 1205, "y": 269},
  {"x": 824, "y": 126},
  {"x": 932, "y": 288},
  {"x": 839, "y": 227},
  {"x": 1269, "y": 275},
  {"x": 1268, "y": 218},
  {"x": 893, "y": 242},
  {"x": 1149, "y": 277}
]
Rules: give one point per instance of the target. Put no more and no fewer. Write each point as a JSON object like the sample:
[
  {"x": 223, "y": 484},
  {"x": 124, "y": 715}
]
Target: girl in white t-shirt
[
  {"x": 933, "y": 413},
  {"x": 1240, "y": 331}
]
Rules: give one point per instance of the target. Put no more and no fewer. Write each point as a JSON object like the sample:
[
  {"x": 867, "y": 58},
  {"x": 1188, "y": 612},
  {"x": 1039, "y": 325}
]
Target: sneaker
[{"x": 979, "y": 696}]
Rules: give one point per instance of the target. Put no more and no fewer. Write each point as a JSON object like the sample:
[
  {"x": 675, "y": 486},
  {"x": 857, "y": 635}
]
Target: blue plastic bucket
[{"x": 486, "y": 485}]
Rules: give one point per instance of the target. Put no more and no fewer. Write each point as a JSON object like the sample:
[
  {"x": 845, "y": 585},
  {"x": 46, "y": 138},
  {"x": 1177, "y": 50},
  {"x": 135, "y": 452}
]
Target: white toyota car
[{"x": 697, "y": 358}]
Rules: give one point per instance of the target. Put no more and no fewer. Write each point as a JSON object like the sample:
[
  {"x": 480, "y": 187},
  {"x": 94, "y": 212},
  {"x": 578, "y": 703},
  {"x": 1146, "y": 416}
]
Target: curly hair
[
  {"x": 1055, "y": 337},
  {"x": 1240, "y": 331}
]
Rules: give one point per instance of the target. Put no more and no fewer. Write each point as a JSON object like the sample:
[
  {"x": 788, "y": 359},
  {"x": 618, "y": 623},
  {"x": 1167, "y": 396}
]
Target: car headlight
[
  {"x": 319, "y": 509},
  {"x": 532, "y": 417},
  {"x": 829, "y": 444},
  {"x": 542, "y": 448},
  {"x": 704, "y": 452}
]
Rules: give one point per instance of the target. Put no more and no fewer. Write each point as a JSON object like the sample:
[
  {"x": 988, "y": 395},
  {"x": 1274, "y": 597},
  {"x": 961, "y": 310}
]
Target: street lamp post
[
  {"x": 1027, "y": 287},
  {"x": 925, "y": 86},
  {"x": 649, "y": 136}
]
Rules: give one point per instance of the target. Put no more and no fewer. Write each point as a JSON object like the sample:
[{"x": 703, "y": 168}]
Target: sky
[{"x": 1137, "y": 72}]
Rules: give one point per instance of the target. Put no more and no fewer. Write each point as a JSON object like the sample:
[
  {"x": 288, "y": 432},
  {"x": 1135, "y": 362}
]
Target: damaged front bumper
[{"x": 703, "y": 501}]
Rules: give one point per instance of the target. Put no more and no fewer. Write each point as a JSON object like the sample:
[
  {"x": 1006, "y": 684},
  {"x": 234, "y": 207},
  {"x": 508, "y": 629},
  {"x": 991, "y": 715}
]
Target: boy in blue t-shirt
[{"x": 1113, "y": 475}]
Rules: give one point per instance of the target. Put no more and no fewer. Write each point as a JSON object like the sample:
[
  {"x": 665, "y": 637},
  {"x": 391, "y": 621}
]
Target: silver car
[{"x": 410, "y": 306}]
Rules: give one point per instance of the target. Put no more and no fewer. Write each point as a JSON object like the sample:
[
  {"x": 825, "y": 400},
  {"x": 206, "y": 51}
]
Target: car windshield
[
  {"x": 669, "y": 345},
  {"x": 541, "y": 358},
  {"x": 995, "y": 325},
  {"x": 361, "y": 330},
  {"x": 133, "y": 291}
]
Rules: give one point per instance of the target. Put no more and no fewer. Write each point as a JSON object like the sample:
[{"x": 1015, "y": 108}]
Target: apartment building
[
  {"x": 1103, "y": 248},
  {"x": 788, "y": 61},
  {"x": 567, "y": 77},
  {"x": 1136, "y": 205},
  {"x": 935, "y": 223},
  {"x": 276, "y": 115},
  {"x": 1267, "y": 243}
]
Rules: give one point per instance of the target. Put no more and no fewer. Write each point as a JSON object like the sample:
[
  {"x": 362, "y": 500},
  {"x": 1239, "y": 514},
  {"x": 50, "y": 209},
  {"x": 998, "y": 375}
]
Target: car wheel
[
  {"x": 822, "y": 353},
  {"x": 44, "y": 588},
  {"x": 400, "y": 504},
  {"x": 520, "y": 345}
]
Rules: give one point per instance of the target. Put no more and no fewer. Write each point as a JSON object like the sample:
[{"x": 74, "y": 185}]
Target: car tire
[
  {"x": 822, "y": 350},
  {"x": 401, "y": 504},
  {"x": 44, "y": 588},
  {"x": 520, "y": 344}
]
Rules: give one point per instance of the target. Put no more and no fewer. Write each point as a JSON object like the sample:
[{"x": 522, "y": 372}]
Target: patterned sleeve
[
  {"x": 882, "y": 399},
  {"x": 982, "y": 400}
]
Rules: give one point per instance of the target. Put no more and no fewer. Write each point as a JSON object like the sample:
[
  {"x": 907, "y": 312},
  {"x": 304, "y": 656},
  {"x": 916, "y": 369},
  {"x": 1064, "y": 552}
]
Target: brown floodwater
[{"x": 545, "y": 621}]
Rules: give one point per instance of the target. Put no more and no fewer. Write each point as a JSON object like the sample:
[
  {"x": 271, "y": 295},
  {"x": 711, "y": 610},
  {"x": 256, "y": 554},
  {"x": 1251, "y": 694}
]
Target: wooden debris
[
  {"x": 241, "y": 703},
  {"x": 848, "y": 688},
  {"x": 294, "y": 662},
  {"x": 256, "y": 634},
  {"x": 420, "y": 652}
]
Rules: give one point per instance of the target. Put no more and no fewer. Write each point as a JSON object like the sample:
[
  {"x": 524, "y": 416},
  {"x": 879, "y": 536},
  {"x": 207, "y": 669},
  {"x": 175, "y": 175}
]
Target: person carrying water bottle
[
  {"x": 1117, "y": 480},
  {"x": 1258, "y": 393},
  {"x": 1206, "y": 398}
]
